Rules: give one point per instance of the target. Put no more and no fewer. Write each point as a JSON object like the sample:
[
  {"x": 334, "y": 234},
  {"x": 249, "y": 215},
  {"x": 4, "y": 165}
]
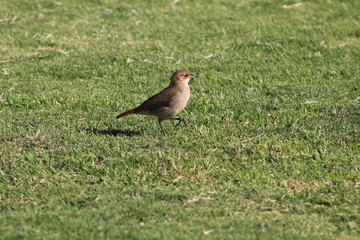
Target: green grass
[{"x": 272, "y": 146}]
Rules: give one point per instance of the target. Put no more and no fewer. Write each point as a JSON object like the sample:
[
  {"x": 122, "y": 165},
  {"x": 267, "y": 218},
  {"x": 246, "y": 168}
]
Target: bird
[{"x": 166, "y": 104}]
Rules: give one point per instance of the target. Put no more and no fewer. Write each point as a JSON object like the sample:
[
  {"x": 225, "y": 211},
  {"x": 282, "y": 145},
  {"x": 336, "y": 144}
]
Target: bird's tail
[{"x": 132, "y": 111}]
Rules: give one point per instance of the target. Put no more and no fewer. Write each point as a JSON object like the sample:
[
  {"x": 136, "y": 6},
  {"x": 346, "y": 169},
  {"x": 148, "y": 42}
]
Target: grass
[{"x": 272, "y": 150}]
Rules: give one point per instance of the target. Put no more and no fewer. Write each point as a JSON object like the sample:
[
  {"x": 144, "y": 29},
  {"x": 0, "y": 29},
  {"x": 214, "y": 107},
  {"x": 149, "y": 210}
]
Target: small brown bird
[{"x": 169, "y": 102}]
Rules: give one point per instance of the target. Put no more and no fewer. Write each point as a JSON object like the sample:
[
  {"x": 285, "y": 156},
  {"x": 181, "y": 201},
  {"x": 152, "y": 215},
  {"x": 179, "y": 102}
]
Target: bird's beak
[{"x": 195, "y": 76}]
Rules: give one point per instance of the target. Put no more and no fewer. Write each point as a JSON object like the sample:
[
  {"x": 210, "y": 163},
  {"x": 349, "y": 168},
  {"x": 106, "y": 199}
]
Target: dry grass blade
[
  {"x": 174, "y": 2},
  {"x": 7, "y": 91},
  {"x": 253, "y": 138},
  {"x": 6, "y": 61},
  {"x": 196, "y": 199},
  {"x": 294, "y": 5},
  {"x": 54, "y": 50}
]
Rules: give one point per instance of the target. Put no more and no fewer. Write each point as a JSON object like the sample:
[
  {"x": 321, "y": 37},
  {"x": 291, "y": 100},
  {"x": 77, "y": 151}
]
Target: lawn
[{"x": 271, "y": 150}]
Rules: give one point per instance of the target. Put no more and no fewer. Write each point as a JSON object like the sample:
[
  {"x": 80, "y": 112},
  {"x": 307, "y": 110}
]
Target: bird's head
[{"x": 182, "y": 76}]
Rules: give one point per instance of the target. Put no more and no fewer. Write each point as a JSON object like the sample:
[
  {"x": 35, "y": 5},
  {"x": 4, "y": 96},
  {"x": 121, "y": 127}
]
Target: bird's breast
[{"x": 180, "y": 100}]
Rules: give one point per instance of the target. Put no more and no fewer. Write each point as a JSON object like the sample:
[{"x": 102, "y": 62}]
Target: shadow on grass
[{"x": 115, "y": 132}]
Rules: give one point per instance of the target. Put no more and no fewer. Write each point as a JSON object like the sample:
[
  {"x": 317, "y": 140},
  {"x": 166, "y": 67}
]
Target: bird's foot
[{"x": 179, "y": 121}]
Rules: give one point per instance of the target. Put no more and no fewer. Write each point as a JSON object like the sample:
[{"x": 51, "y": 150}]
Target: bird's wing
[{"x": 162, "y": 99}]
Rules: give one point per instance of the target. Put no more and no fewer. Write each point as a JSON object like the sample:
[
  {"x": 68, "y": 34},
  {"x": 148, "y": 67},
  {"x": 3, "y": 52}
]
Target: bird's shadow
[{"x": 115, "y": 132}]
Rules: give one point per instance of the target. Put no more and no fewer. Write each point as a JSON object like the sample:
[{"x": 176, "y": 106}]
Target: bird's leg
[
  {"x": 162, "y": 129},
  {"x": 180, "y": 120}
]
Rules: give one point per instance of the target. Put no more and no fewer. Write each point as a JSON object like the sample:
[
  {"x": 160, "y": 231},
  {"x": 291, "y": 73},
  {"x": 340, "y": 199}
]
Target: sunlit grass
[{"x": 272, "y": 146}]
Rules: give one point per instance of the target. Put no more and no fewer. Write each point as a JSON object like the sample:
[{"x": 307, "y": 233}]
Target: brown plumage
[{"x": 169, "y": 102}]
